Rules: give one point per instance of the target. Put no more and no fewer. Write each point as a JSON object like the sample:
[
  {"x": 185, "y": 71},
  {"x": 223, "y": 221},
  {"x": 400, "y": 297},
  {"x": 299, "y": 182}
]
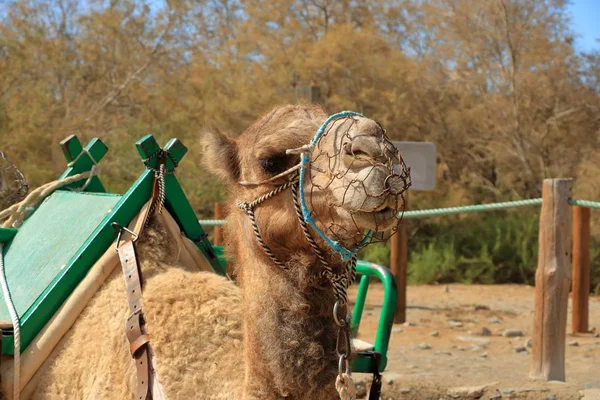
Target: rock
[
  {"x": 413, "y": 366},
  {"x": 460, "y": 348},
  {"x": 442, "y": 353},
  {"x": 523, "y": 390},
  {"x": 494, "y": 320},
  {"x": 512, "y": 333},
  {"x": 520, "y": 349},
  {"x": 405, "y": 390},
  {"x": 422, "y": 346},
  {"x": 361, "y": 389},
  {"x": 480, "y": 307},
  {"x": 496, "y": 397},
  {"x": 484, "y": 332},
  {"x": 551, "y": 397},
  {"x": 408, "y": 324},
  {"x": 479, "y": 341},
  {"x": 592, "y": 329},
  {"x": 528, "y": 343},
  {"x": 390, "y": 377},
  {"x": 467, "y": 392},
  {"x": 435, "y": 333},
  {"x": 574, "y": 343},
  {"x": 426, "y": 373},
  {"x": 596, "y": 334},
  {"x": 475, "y": 348},
  {"x": 484, "y": 354},
  {"x": 397, "y": 330},
  {"x": 455, "y": 323}
]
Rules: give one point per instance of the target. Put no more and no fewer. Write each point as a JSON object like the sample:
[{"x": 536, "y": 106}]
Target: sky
[{"x": 585, "y": 16}]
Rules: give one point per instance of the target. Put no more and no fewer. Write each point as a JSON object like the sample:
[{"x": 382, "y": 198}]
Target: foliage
[
  {"x": 499, "y": 247},
  {"x": 497, "y": 85},
  {"x": 488, "y": 248}
]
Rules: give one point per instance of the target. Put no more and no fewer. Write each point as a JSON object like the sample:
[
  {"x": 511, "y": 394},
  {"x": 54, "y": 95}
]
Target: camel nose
[{"x": 365, "y": 146}]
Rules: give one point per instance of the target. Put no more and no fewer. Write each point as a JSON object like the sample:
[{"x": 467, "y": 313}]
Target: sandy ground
[{"x": 460, "y": 356}]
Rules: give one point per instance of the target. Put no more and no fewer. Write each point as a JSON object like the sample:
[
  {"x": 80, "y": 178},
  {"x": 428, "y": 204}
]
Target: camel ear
[{"x": 220, "y": 155}]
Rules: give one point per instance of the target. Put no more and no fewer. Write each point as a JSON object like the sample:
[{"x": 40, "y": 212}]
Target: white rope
[
  {"x": 17, "y": 213},
  {"x": 16, "y": 328},
  {"x": 345, "y": 386},
  {"x": 93, "y": 170}
]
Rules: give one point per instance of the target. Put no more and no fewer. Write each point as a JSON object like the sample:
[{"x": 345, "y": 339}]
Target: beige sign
[{"x": 421, "y": 158}]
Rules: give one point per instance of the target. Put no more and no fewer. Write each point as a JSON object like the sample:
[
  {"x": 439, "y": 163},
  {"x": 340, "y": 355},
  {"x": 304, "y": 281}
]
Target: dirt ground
[{"x": 426, "y": 365}]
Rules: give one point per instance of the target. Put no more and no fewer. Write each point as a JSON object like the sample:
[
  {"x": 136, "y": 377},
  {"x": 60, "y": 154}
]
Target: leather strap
[
  {"x": 134, "y": 326},
  {"x": 139, "y": 342}
]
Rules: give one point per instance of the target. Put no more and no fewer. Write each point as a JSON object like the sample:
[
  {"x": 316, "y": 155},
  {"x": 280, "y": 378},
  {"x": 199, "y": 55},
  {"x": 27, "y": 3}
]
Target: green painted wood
[
  {"x": 71, "y": 147},
  {"x": 81, "y": 261},
  {"x": 44, "y": 245},
  {"x": 175, "y": 200},
  {"x": 6, "y": 234}
]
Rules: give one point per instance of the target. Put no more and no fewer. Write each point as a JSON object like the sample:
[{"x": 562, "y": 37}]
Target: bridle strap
[
  {"x": 249, "y": 209},
  {"x": 339, "y": 282}
]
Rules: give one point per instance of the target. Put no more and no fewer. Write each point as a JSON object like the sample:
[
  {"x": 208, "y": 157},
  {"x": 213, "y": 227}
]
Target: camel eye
[{"x": 275, "y": 164}]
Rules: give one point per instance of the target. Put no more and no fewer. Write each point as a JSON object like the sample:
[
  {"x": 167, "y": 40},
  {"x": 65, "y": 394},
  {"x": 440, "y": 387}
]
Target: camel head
[{"x": 354, "y": 180}]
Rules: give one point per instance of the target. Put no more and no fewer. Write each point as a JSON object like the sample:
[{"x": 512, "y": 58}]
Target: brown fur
[
  {"x": 289, "y": 334},
  {"x": 196, "y": 319}
]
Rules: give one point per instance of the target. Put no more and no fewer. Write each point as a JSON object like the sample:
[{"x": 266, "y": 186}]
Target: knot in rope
[
  {"x": 161, "y": 154},
  {"x": 345, "y": 386},
  {"x": 159, "y": 192},
  {"x": 244, "y": 206}
]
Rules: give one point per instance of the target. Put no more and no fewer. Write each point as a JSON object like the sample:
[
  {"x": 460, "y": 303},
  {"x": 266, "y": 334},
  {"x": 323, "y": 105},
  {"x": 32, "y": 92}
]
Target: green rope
[
  {"x": 211, "y": 221},
  {"x": 471, "y": 208},
  {"x": 585, "y": 203},
  {"x": 460, "y": 210}
]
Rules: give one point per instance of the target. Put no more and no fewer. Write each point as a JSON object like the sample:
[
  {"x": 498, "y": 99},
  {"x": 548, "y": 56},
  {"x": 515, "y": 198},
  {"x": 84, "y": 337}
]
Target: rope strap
[
  {"x": 16, "y": 327},
  {"x": 16, "y": 214},
  {"x": 345, "y": 386},
  {"x": 159, "y": 191}
]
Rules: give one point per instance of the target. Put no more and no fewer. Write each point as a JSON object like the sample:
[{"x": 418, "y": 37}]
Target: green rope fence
[
  {"x": 585, "y": 203},
  {"x": 413, "y": 214}
]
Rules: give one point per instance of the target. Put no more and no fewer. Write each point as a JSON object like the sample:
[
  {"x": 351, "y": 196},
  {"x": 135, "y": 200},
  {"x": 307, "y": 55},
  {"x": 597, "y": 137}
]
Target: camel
[{"x": 272, "y": 335}]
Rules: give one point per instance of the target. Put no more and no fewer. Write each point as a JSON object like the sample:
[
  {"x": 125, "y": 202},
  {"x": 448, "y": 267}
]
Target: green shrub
[{"x": 499, "y": 247}]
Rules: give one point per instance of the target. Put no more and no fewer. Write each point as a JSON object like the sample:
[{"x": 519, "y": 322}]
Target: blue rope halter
[{"x": 306, "y": 213}]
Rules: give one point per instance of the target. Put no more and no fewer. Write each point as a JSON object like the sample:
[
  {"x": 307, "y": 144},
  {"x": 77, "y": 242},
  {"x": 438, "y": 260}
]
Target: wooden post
[
  {"x": 399, "y": 267},
  {"x": 552, "y": 282},
  {"x": 581, "y": 269},
  {"x": 218, "y": 233}
]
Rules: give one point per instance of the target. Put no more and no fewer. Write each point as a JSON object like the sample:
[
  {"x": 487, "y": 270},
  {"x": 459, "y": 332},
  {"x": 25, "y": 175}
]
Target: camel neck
[{"x": 289, "y": 331}]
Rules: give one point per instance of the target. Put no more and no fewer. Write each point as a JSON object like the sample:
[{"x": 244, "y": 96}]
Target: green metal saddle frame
[{"x": 49, "y": 255}]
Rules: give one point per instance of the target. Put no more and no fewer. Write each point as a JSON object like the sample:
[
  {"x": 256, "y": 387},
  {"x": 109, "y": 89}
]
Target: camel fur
[{"x": 271, "y": 337}]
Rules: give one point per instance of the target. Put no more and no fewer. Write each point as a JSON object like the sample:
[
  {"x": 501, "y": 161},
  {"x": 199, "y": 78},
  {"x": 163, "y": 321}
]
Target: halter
[
  {"x": 339, "y": 281},
  {"x": 346, "y": 254}
]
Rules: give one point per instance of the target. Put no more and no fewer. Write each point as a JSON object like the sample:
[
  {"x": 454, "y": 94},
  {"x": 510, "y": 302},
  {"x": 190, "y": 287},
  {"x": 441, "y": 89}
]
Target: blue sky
[{"x": 585, "y": 16}]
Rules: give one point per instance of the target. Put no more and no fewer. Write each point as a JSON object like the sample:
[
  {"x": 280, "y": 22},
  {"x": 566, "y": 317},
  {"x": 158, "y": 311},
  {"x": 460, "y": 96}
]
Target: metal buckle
[
  {"x": 344, "y": 360},
  {"x": 122, "y": 228}
]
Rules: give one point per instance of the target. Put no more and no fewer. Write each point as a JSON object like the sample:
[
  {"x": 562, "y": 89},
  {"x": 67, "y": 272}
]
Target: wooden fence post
[
  {"x": 218, "y": 233},
  {"x": 552, "y": 282},
  {"x": 399, "y": 267},
  {"x": 581, "y": 269}
]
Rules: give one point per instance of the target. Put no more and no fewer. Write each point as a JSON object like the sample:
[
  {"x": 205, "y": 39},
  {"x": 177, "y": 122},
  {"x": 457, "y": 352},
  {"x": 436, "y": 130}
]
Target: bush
[{"x": 478, "y": 248}]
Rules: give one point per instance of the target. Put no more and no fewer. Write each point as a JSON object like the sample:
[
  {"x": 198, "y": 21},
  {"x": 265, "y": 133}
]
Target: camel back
[{"x": 63, "y": 237}]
